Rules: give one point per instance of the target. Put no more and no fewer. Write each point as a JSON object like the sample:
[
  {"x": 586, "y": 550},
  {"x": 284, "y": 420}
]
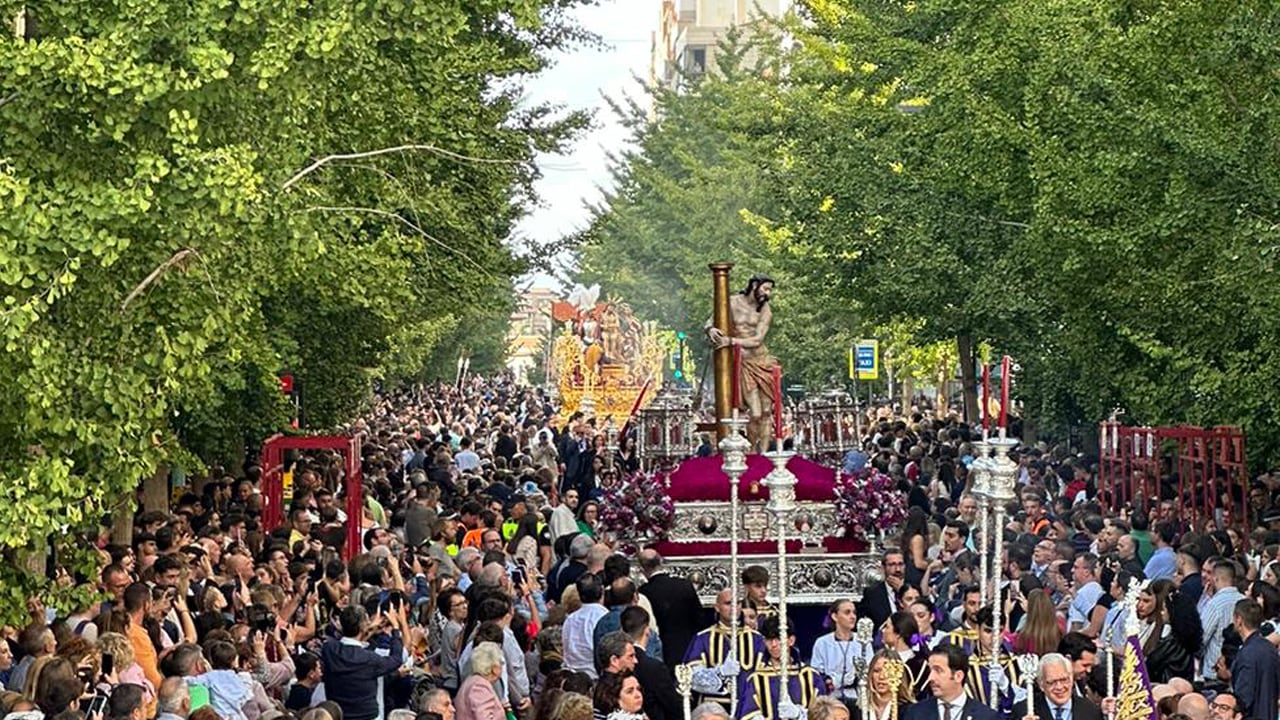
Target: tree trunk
[
  {"x": 155, "y": 490},
  {"x": 122, "y": 523},
  {"x": 940, "y": 401},
  {"x": 908, "y": 395},
  {"x": 968, "y": 376}
]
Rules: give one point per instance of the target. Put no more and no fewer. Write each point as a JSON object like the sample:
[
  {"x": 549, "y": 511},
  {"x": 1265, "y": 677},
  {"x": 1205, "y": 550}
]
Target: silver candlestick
[
  {"x": 1029, "y": 666},
  {"x": 1002, "y": 478},
  {"x": 611, "y": 442},
  {"x": 980, "y": 471},
  {"x": 733, "y": 454},
  {"x": 863, "y": 634},
  {"x": 684, "y": 686},
  {"x": 782, "y": 502}
]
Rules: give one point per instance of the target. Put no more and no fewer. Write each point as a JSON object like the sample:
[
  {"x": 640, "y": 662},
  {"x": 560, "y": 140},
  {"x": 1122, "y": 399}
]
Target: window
[{"x": 696, "y": 61}]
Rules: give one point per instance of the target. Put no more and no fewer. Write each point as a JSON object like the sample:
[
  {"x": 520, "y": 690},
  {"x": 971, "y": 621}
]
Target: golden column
[{"x": 723, "y": 357}]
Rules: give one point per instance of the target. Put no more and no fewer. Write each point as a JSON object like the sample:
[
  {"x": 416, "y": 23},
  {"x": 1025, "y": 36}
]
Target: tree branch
[
  {"x": 164, "y": 267},
  {"x": 398, "y": 149},
  {"x": 8, "y": 99},
  {"x": 412, "y": 225}
]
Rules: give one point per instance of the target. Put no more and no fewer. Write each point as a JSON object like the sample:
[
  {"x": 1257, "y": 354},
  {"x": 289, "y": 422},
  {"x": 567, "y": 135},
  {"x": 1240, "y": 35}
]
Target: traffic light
[{"x": 681, "y": 335}]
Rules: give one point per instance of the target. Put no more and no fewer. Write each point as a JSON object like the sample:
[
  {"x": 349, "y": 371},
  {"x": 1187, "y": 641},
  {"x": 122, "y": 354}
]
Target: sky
[{"x": 581, "y": 79}]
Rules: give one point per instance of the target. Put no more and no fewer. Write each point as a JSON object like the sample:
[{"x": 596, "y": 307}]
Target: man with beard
[
  {"x": 880, "y": 600},
  {"x": 751, "y": 317},
  {"x": 966, "y": 636}
]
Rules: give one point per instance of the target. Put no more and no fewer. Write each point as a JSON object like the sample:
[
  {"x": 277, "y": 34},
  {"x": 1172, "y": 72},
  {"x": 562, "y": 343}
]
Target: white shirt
[
  {"x": 1053, "y": 710},
  {"x": 466, "y": 460},
  {"x": 835, "y": 659},
  {"x": 1082, "y": 606},
  {"x": 957, "y": 708},
  {"x": 563, "y": 522},
  {"x": 578, "y": 636}
]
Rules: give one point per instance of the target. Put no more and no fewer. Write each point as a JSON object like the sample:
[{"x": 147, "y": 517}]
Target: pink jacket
[{"x": 477, "y": 700}]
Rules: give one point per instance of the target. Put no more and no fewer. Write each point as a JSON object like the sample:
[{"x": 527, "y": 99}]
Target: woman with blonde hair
[
  {"x": 33, "y": 675},
  {"x": 127, "y": 669},
  {"x": 573, "y": 706},
  {"x": 827, "y": 708},
  {"x": 881, "y": 694}
]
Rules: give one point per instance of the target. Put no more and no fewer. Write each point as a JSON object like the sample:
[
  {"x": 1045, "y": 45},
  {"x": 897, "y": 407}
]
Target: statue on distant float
[{"x": 603, "y": 353}]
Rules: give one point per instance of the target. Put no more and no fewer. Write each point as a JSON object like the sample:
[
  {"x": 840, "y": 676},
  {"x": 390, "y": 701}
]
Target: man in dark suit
[
  {"x": 661, "y": 701},
  {"x": 1056, "y": 699},
  {"x": 1255, "y": 673},
  {"x": 948, "y": 668},
  {"x": 880, "y": 600},
  {"x": 676, "y": 606}
]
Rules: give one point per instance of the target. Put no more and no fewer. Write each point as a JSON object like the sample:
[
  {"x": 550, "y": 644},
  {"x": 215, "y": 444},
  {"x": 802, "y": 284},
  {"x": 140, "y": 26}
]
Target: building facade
[
  {"x": 530, "y": 332},
  {"x": 690, "y": 30}
]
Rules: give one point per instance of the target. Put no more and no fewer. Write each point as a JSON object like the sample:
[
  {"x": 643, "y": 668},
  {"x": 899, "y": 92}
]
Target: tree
[
  {"x": 698, "y": 186},
  {"x": 161, "y": 242}
]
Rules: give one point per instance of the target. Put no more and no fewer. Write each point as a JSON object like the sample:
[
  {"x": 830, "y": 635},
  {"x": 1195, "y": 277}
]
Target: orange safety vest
[{"x": 472, "y": 538}]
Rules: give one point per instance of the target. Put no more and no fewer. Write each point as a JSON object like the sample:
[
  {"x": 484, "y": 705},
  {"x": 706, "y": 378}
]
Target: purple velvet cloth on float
[{"x": 701, "y": 479}]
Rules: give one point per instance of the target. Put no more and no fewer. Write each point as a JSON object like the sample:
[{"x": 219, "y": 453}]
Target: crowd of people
[{"x": 485, "y": 589}]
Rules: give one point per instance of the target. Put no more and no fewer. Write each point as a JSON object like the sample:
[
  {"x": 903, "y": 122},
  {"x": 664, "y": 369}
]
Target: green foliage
[
  {"x": 162, "y": 259},
  {"x": 700, "y": 187},
  {"x": 1082, "y": 185}
]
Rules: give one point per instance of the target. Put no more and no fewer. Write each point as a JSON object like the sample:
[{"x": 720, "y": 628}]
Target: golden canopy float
[{"x": 604, "y": 362}]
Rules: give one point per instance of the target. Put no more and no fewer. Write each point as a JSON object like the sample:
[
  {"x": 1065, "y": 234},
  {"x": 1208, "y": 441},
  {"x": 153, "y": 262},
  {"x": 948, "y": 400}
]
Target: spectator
[
  {"x": 174, "y": 700},
  {"x": 354, "y": 671},
  {"x": 676, "y": 607},
  {"x": 1086, "y": 614},
  {"x": 58, "y": 689},
  {"x": 827, "y": 708},
  {"x": 615, "y": 654},
  {"x": 579, "y": 627},
  {"x": 1194, "y": 706},
  {"x": 1255, "y": 673},
  {"x": 452, "y": 604},
  {"x": 1217, "y": 617},
  {"x": 437, "y": 705},
  {"x": 620, "y": 596},
  {"x": 36, "y": 641},
  {"x": 137, "y": 604},
  {"x": 661, "y": 700},
  {"x": 477, "y": 699},
  {"x": 125, "y": 703},
  {"x": 309, "y": 673},
  {"x": 618, "y": 696},
  {"x": 1162, "y": 565},
  {"x": 1225, "y": 706}
]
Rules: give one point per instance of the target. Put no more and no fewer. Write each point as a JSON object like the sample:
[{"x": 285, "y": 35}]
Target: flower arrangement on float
[
  {"x": 637, "y": 511},
  {"x": 868, "y": 504}
]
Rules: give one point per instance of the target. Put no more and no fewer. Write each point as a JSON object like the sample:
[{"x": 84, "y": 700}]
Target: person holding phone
[{"x": 353, "y": 671}]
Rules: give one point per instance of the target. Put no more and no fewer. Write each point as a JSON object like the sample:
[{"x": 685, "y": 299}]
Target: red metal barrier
[
  {"x": 1209, "y": 464},
  {"x": 273, "y": 480}
]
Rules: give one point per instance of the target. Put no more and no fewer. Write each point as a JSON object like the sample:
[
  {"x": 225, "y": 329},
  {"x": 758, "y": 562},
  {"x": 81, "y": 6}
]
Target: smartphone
[
  {"x": 97, "y": 707},
  {"x": 108, "y": 664}
]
